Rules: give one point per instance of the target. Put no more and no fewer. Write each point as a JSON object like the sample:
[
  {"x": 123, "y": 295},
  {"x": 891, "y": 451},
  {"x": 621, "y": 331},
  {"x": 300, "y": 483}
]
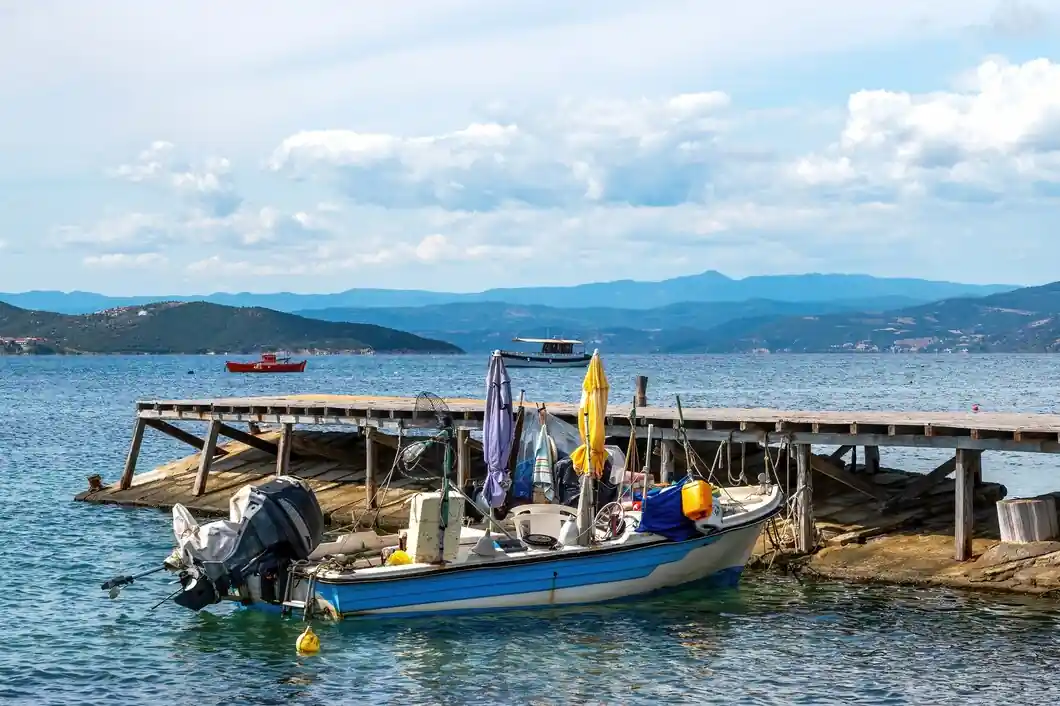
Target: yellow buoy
[
  {"x": 398, "y": 558},
  {"x": 308, "y": 642}
]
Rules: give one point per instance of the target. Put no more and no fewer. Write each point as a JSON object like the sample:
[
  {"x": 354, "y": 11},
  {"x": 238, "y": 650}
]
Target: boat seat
[{"x": 541, "y": 518}]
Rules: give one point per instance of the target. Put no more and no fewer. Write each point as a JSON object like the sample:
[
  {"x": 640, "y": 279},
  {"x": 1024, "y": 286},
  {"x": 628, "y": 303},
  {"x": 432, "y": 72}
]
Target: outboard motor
[{"x": 270, "y": 526}]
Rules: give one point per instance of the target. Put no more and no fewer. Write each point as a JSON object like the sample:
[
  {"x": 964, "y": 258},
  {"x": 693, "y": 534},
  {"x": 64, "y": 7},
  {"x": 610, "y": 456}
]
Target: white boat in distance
[{"x": 554, "y": 353}]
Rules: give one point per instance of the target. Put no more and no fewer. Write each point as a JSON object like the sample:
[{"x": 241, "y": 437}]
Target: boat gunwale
[{"x": 543, "y": 557}]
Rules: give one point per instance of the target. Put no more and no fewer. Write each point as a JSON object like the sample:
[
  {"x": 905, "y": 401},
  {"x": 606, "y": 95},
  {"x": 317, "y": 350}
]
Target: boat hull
[
  {"x": 594, "y": 576},
  {"x": 532, "y": 360},
  {"x": 235, "y": 367}
]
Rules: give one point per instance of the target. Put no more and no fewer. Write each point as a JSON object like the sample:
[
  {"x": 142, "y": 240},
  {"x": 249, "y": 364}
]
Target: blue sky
[{"x": 463, "y": 144}]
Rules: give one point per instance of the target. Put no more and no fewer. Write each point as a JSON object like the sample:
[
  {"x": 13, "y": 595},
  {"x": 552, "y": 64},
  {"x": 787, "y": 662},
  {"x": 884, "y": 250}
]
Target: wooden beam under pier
[
  {"x": 839, "y": 453},
  {"x": 179, "y": 434},
  {"x": 134, "y": 454},
  {"x": 965, "y": 466},
  {"x": 370, "y": 469},
  {"x": 209, "y": 450},
  {"x": 283, "y": 455},
  {"x": 866, "y": 487},
  {"x": 248, "y": 439},
  {"x": 872, "y": 459},
  {"x": 805, "y": 530},
  {"x": 917, "y": 488}
]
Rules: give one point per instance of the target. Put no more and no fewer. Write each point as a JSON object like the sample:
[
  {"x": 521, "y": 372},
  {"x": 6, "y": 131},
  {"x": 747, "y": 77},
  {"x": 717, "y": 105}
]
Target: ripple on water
[{"x": 774, "y": 641}]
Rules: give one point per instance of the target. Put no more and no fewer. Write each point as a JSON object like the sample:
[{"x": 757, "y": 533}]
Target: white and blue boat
[
  {"x": 270, "y": 552},
  {"x": 269, "y": 555}
]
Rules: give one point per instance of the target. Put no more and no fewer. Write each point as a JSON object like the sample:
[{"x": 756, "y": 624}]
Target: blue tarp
[{"x": 661, "y": 513}]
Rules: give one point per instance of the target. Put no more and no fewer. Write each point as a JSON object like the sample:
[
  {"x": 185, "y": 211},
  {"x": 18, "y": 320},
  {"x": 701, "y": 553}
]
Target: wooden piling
[
  {"x": 283, "y": 453},
  {"x": 640, "y": 397},
  {"x": 804, "y": 524},
  {"x": 209, "y": 450},
  {"x": 370, "y": 470},
  {"x": 966, "y": 461},
  {"x": 666, "y": 460},
  {"x": 872, "y": 459},
  {"x": 463, "y": 457},
  {"x": 134, "y": 454}
]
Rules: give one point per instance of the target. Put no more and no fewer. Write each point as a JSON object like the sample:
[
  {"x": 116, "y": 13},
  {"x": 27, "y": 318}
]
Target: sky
[{"x": 192, "y": 147}]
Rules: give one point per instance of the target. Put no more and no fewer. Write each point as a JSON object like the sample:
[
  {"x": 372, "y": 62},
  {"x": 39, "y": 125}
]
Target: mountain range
[
  {"x": 708, "y": 286},
  {"x": 485, "y": 326},
  {"x": 808, "y": 313},
  {"x": 196, "y": 327},
  {"x": 1024, "y": 320}
]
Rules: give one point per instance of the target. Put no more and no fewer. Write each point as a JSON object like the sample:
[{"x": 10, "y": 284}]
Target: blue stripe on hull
[
  {"x": 488, "y": 582},
  {"x": 726, "y": 579}
]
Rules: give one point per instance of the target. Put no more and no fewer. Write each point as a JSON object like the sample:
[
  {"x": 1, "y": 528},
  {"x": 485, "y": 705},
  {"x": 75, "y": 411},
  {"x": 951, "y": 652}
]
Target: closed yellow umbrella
[{"x": 592, "y": 412}]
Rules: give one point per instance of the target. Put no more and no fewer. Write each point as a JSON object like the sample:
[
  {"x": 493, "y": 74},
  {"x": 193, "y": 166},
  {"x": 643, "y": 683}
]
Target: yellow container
[{"x": 697, "y": 499}]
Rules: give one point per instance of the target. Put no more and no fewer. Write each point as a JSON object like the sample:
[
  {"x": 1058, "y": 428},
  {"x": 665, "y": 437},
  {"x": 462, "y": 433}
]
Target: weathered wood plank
[
  {"x": 209, "y": 450},
  {"x": 805, "y": 530},
  {"x": 921, "y": 485},
  {"x": 666, "y": 460},
  {"x": 857, "y": 482},
  {"x": 964, "y": 500},
  {"x": 872, "y": 459},
  {"x": 179, "y": 434},
  {"x": 370, "y": 469},
  {"x": 283, "y": 454},
  {"x": 134, "y": 453},
  {"x": 249, "y": 439}
]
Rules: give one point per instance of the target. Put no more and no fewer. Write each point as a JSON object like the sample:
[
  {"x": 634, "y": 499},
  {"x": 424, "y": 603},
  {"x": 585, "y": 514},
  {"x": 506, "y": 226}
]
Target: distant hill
[
  {"x": 1021, "y": 321},
  {"x": 484, "y": 326},
  {"x": 198, "y": 327},
  {"x": 708, "y": 286}
]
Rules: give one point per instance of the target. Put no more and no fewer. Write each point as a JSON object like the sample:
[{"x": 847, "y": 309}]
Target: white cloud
[
  {"x": 651, "y": 152},
  {"x": 208, "y": 186},
  {"x": 997, "y": 135},
  {"x": 125, "y": 260}
]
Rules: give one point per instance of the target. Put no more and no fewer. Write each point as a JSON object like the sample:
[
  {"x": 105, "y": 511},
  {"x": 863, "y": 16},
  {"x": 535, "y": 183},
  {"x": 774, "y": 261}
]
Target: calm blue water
[{"x": 773, "y": 641}]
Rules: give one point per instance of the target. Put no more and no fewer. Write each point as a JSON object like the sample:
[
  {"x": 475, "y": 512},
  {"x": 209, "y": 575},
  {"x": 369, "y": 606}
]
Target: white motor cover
[{"x": 210, "y": 542}]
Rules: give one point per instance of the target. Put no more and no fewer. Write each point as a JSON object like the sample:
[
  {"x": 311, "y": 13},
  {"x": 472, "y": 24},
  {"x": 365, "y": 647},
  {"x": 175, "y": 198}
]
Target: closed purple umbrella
[{"x": 498, "y": 431}]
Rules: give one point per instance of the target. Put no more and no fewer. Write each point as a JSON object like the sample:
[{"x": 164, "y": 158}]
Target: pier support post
[
  {"x": 640, "y": 397},
  {"x": 966, "y": 463},
  {"x": 134, "y": 453},
  {"x": 209, "y": 450},
  {"x": 804, "y": 525},
  {"x": 370, "y": 456},
  {"x": 463, "y": 457},
  {"x": 872, "y": 459},
  {"x": 853, "y": 459},
  {"x": 666, "y": 460},
  {"x": 283, "y": 452}
]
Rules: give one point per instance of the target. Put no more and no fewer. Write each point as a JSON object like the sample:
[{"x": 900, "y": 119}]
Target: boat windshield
[{"x": 561, "y": 348}]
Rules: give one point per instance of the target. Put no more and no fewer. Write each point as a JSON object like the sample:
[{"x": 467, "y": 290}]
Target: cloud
[
  {"x": 247, "y": 228},
  {"x": 125, "y": 260},
  {"x": 653, "y": 153},
  {"x": 1018, "y": 19},
  {"x": 604, "y": 188},
  {"x": 997, "y": 135},
  {"x": 207, "y": 186}
]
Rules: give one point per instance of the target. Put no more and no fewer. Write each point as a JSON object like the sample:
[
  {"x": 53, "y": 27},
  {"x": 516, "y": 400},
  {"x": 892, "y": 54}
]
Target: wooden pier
[{"x": 345, "y": 466}]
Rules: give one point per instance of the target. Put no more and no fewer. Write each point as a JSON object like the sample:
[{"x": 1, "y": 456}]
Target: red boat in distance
[{"x": 269, "y": 363}]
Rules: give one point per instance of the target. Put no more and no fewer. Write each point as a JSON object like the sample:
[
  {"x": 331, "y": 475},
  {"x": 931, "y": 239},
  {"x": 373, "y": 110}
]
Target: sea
[{"x": 773, "y": 640}]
